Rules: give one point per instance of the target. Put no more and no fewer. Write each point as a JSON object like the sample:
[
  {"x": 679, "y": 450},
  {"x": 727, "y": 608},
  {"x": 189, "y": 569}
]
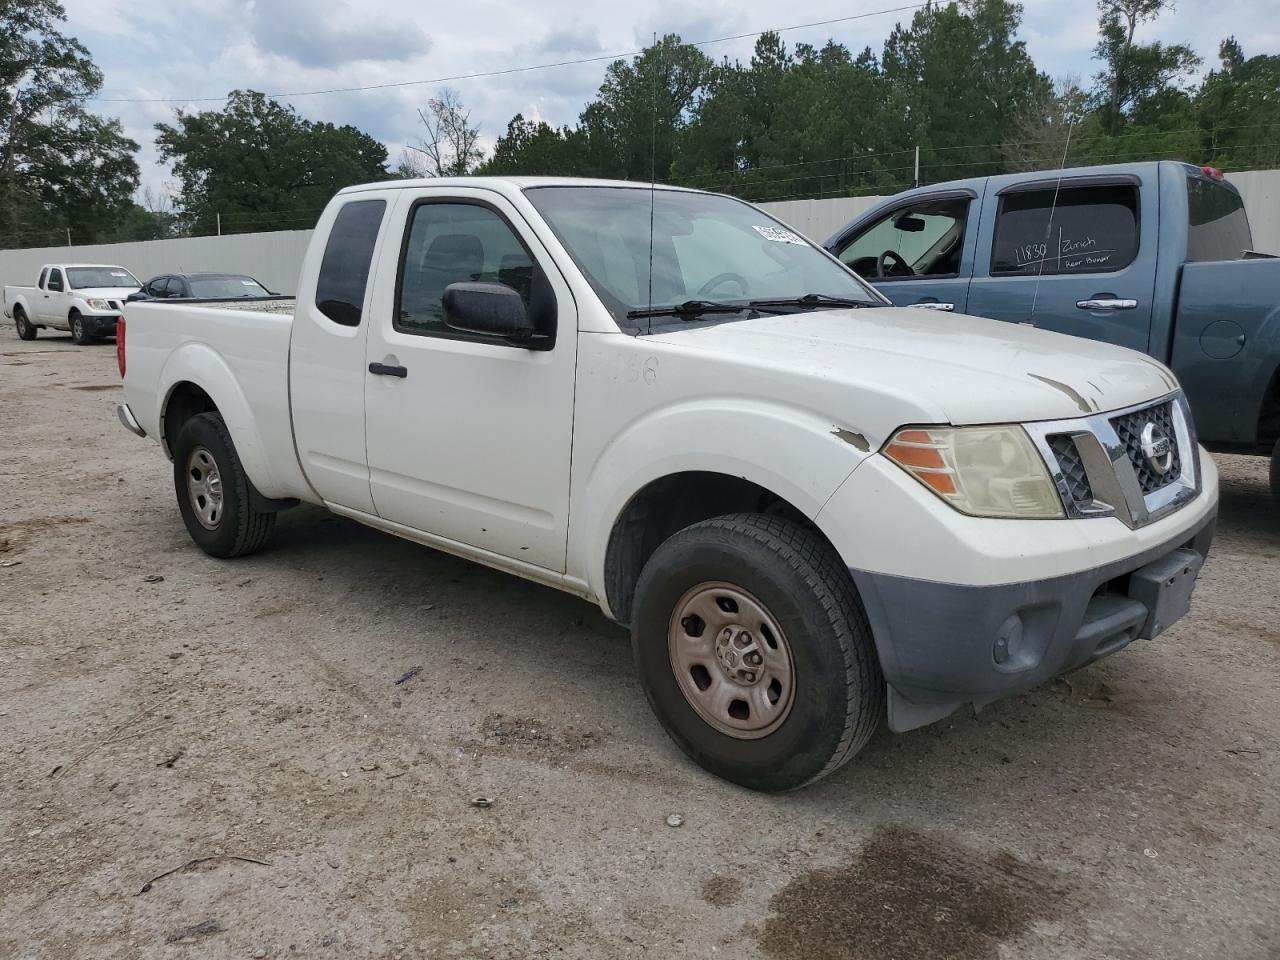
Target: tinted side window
[
  {"x": 55, "y": 280},
  {"x": 40, "y": 282},
  {"x": 924, "y": 239},
  {"x": 1092, "y": 230},
  {"x": 455, "y": 242},
  {"x": 156, "y": 287},
  {"x": 1219, "y": 227},
  {"x": 344, "y": 270}
]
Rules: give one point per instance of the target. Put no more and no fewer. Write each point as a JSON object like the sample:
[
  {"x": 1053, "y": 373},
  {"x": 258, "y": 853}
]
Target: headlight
[
  {"x": 96, "y": 304},
  {"x": 981, "y": 471}
]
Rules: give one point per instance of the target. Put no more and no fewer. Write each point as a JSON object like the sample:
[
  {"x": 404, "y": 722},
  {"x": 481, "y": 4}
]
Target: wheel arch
[
  {"x": 1268, "y": 432},
  {"x": 670, "y": 503},
  {"x": 196, "y": 380}
]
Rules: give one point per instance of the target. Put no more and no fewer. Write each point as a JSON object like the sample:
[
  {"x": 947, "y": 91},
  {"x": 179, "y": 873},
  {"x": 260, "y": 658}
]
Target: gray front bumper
[{"x": 942, "y": 645}]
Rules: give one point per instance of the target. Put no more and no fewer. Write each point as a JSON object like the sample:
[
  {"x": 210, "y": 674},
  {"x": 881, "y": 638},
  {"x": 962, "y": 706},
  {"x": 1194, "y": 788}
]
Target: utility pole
[
  {"x": 917, "y": 177},
  {"x": 68, "y": 236},
  {"x": 219, "y": 216}
]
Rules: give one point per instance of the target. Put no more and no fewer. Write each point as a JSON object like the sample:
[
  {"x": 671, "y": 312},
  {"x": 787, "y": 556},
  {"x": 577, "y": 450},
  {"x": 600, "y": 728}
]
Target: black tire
[
  {"x": 26, "y": 329},
  {"x": 79, "y": 336},
  {"x": 839, "y": 692},
  {"x": 239, "y": 528},
  {"x": 1275, "y": 473}
]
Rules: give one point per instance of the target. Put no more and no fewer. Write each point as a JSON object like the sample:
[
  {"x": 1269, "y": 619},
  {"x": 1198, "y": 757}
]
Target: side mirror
[
  {"x": 136, "y": 295},
  {"x": 492, "y": 309},
  {"x": 909, "y": 224}
]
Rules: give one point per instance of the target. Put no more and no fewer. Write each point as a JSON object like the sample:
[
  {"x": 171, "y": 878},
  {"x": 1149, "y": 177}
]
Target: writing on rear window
[{"x": 1084, "y": 230}]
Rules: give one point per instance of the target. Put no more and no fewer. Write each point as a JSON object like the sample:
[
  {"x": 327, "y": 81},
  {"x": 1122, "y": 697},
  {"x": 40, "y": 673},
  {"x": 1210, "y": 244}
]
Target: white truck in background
[
  {"x": 810, "y": 507},
  {"x": 85, "y": 299}
]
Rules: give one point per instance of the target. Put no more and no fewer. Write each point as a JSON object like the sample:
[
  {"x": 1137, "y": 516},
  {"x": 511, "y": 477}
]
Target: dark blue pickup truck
[{"x": 1152, "y": 256}]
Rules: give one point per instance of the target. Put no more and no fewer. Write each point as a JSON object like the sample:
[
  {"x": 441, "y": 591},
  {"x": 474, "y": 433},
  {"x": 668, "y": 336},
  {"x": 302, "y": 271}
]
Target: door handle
[
  {"x": 1107, "y": 303},
  {"x": 388, "y": 370},
  {"x": 934, "y": 305}
]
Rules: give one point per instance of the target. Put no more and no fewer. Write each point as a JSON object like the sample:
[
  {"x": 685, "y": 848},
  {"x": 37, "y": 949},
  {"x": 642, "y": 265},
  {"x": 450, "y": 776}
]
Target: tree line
[{"x": 953, "y": 93}]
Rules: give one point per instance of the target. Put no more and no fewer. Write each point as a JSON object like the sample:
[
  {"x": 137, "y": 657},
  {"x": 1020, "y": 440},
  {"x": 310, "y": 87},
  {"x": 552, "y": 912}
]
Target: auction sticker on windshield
[{"x": 778, "y": 234}]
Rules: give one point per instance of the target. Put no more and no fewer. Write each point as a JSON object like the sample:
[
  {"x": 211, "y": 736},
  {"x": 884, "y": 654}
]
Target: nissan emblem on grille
[{"x": 1157, "y": 448}]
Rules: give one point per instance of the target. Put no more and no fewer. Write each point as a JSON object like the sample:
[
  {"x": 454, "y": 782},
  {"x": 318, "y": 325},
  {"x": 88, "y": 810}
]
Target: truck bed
[{"x": 239, "y": 354}]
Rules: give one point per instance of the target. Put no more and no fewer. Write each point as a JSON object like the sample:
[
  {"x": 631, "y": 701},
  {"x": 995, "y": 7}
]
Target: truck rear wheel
[
  {"x": 1275, "y": 473},
  {"x": 755, "y": 652},
  {"x": 214, "y": 493},
  {"x": 26, "y": 330},
  {"x": 79, "y": 336}
]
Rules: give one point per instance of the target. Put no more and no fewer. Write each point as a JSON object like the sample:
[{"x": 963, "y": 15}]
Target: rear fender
[{"x": 196, "y": 363}]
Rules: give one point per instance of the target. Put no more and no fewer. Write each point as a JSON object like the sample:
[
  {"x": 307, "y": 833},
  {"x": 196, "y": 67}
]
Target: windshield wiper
[
  {"x": 690, "y": 308},
  {"x": 812, "y": 301}
]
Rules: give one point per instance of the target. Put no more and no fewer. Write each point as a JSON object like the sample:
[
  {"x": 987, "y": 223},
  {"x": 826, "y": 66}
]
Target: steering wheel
[
  {"x": 900, "y": 269},
  {"x": 720, "y": 278}
]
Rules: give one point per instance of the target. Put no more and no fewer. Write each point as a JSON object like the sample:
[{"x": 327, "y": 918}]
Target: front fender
[
  {"x": 795, "y": 453},
  {"x": 198, "y": 364}
]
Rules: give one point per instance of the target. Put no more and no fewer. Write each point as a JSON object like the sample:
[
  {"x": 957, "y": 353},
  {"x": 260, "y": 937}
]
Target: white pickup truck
[
  {"x": 84, "y": 298},
  {"x": 811, "y": 508}
]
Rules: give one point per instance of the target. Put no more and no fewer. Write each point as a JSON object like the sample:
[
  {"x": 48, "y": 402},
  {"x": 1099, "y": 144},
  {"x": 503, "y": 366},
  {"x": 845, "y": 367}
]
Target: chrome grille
[
  {"x": 1064, "y": 449},
  {"x": 1129, "y": 429},
  {"x": 1100, "y": 469}
]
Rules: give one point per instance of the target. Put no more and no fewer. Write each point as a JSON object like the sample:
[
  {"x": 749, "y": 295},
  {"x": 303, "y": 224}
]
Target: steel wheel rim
[
  {"x": 75, "y": 328},
  {"x": 204, "y": 488},
  {"x": 22, "y": 323},
  {"x": 731, "y": 660}
]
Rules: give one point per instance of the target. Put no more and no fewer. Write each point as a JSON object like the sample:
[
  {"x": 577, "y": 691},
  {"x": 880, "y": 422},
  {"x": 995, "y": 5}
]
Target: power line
[{"x": 524, "y": 69}]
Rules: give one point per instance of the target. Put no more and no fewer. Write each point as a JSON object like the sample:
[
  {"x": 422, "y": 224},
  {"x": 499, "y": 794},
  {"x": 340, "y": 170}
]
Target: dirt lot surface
[{"x": 222, "y": 763}]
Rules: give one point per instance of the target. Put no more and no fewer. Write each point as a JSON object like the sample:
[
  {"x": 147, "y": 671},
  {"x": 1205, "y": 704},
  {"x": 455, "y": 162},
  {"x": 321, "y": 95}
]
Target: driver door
[{"x": 918, "y": 253}]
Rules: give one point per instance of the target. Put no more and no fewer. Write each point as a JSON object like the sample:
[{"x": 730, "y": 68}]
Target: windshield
[
  {"x": 225, "y": 288},
  {"x": 705, "y": 248},
  {"x": 86, "y": 278}
]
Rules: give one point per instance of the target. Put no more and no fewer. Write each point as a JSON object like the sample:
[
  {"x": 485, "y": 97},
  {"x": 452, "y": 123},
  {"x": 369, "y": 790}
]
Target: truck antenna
[
  {"x": 653, "y": 172},
  {"x": 1048, "y": 226}
]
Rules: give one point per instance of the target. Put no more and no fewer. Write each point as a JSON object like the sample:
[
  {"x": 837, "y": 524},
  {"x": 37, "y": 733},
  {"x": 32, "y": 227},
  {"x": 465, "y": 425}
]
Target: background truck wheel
[
  {"x": 755, "y": 652},
  {"x": 79, "y": 335},
  {"x": 1275, "y": 473},
  {"x": 214, "y": 493},
  {"x": 26, "y": 331}
]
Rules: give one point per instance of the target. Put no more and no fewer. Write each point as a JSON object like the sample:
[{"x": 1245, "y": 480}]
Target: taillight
[
  {"x": 120, "y": 345},
  {"x": 1213, "y": 173}
]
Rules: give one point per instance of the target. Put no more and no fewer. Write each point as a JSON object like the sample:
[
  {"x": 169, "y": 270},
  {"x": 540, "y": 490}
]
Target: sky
[{"x": 191, "y": 49}]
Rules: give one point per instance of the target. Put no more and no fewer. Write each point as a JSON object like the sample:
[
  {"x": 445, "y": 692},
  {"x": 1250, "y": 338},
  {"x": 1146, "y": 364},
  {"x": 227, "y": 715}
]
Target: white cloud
[{"x": 205, "y": 48}]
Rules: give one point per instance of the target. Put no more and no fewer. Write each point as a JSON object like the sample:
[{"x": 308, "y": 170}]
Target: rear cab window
[
  {"x": 348, "y": 257},
  {"x": 43, "y": 273},
  {"x": 1218, "y": 225},
  {"x": 1071, "y": 230}
]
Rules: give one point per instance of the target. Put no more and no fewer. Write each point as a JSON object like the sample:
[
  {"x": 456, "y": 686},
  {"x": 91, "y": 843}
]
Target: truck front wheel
[
  {"x": 26, "y": 331},
  {"x": 214, "y": 493},
  {"x": 79, "y": 335},
  {"x": 755, "y": 652}
]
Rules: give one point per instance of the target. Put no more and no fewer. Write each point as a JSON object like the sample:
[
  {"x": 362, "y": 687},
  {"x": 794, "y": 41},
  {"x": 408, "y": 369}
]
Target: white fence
[
  {"x": 273, "y": 258},
  {"x": 276, "y": 258}
]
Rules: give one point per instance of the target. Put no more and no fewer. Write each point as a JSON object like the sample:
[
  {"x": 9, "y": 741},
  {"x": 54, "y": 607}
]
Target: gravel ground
[{"x": 222, "y": 763}]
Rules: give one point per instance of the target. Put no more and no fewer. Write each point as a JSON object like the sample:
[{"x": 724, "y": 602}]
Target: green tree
[
  {"x": 956, "y": 76},
  {"x": 1238, "y": 110},
  {"x": 1136, "y": 77},
  {"x": 261, "y": 166},
  {"x": 632, "y": 126},
  {"x": 536, "y": 148},
  {"x": 60, "y": 166}
]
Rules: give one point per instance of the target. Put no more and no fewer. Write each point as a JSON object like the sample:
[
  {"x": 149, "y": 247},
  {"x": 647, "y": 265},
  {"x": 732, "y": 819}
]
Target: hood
[
  {"x": 918, "y": 366},
  {"x": 104, "y": 293}
]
